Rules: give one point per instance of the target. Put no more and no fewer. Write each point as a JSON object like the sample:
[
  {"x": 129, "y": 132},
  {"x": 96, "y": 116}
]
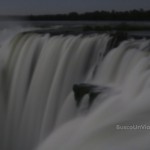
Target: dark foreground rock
[{"x": 80, "y": 90}]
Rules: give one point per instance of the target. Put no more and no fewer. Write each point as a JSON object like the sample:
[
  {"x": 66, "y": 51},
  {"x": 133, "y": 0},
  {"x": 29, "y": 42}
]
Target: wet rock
[{"x": 80, "y": 90}]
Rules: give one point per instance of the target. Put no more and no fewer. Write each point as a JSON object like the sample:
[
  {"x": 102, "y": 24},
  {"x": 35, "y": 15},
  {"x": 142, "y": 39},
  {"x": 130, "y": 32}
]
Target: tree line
[
  {"x": 137, "y": 15},
  {"x": 97, "y": 15}
]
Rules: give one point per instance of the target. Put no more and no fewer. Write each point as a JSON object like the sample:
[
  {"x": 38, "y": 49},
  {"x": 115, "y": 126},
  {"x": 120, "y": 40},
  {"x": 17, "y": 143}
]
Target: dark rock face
[
  {"x": 118, "y": 37},
  {"x": 80, "y": 90}
]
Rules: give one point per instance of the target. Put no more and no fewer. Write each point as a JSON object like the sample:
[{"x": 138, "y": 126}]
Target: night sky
[{"x": 65, "y": 6}]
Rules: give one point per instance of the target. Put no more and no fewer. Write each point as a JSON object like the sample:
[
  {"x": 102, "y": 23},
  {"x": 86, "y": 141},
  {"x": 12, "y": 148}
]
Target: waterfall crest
[{"x": 37, "y": 104}]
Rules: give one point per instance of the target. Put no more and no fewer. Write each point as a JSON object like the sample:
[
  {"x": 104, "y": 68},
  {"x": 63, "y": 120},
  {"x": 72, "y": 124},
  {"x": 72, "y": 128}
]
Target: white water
[{"x": 37, "y": 105}]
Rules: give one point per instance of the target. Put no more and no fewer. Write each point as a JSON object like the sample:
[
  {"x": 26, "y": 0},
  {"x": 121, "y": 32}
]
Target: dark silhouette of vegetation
[
  {"x": 136, "y": 15},
  {"x": 98, "y": 15}
]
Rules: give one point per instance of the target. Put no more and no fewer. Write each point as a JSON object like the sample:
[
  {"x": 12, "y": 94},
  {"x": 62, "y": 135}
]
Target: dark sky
[{"x": 65, "y": 6}]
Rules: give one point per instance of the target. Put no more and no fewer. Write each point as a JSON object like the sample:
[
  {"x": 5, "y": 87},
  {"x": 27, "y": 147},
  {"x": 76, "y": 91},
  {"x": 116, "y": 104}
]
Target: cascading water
[{"x": 37, "y": 104}]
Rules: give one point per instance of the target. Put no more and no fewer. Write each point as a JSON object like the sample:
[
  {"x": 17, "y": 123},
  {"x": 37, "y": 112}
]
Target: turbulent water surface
[{"x": 38, "y": 109}]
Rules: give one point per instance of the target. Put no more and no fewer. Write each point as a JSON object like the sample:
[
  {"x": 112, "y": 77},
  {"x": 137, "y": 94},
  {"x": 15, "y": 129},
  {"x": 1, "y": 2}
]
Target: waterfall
[{"x": 38, "y": 108}]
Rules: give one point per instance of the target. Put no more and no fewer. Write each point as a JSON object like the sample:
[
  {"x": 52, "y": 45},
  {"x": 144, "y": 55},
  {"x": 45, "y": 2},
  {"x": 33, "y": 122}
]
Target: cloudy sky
[{"x": 65, "y": 6}]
